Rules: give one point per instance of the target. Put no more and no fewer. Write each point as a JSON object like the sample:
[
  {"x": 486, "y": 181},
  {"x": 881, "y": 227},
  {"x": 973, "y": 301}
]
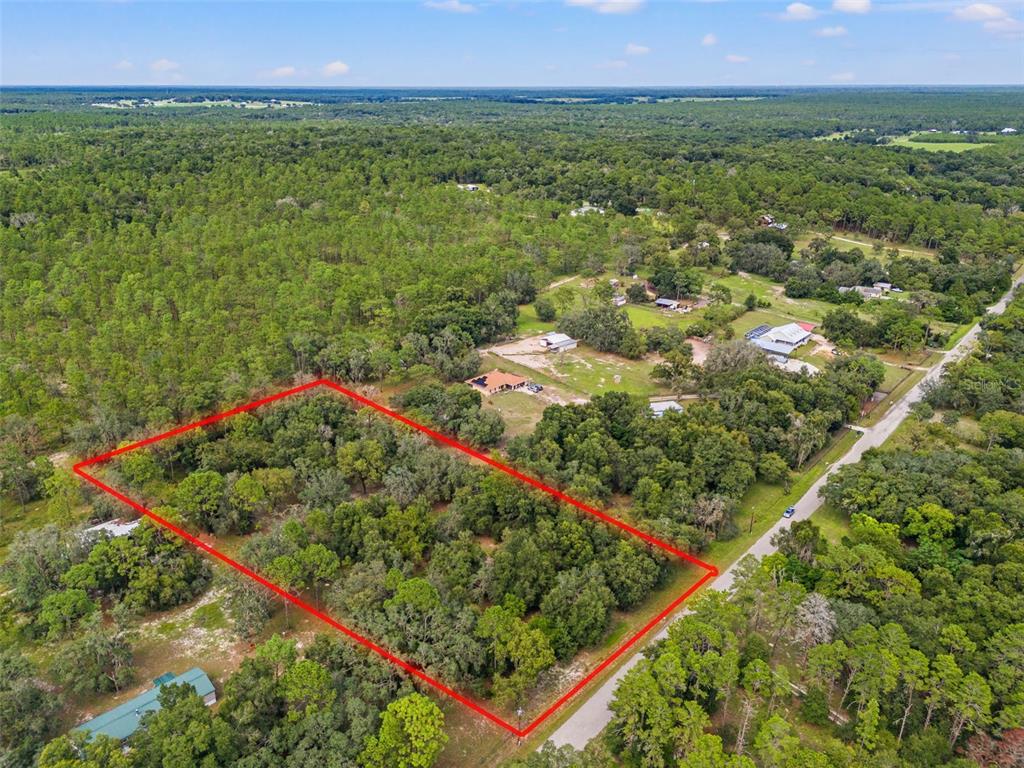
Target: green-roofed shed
[{"x": 123, "y": 720}]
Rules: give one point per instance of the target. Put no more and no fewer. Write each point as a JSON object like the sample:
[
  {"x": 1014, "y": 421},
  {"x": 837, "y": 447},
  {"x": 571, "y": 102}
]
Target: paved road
[{"x": 591, "y": 718}]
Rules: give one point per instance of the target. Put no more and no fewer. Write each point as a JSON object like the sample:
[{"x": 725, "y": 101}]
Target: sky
[{"x": 480, "y": 43}]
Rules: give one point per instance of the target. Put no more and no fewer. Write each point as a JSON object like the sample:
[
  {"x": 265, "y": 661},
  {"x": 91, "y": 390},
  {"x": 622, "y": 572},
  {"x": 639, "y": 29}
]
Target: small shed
[
  {"x": 111, "y": 528},
  {"x": 660, "y": 407}
]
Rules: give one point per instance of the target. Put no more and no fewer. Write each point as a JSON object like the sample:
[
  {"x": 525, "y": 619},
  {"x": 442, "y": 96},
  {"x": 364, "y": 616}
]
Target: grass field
[
  {"x": 646, "y": 316},
  {"x": 764, "y": 288},
  {"x": 941, "y": 146},
  {"x": 520, "y": 410},
  {"x": 580, "y": 373},
  {"x": 592, "y": 373},
  {"x": 847, "y": 240}
]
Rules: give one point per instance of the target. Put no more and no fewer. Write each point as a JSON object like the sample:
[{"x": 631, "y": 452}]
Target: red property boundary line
[{"x": 710, "y": 571}]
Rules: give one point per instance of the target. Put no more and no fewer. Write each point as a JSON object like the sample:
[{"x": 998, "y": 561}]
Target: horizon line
[{"x": 278, "y": 86}]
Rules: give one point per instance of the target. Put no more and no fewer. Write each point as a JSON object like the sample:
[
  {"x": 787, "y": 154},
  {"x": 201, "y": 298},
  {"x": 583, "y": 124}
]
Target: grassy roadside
[
  {"x": 883, "y": 407},
  {"x": 767, "y": 503}
]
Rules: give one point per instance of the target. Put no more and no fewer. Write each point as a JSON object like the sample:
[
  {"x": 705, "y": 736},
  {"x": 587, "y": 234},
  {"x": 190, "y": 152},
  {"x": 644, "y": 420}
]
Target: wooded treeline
[{"x": 157, "y": 266}]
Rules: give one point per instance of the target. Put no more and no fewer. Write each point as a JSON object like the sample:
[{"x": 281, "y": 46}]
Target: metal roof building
[
  {"x": 773, "y": 347},
  {"x": 661, "y": 407},
  {"x": 790, "y": 334},
  {"x": 123, "y": 720},
  {"x": 558, "y": 342},
  {"x": 112, "y": 528}
]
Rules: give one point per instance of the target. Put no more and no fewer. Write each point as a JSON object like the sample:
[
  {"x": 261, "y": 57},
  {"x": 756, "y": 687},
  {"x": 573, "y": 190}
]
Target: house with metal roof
[
  {"x": 666, "y": 303},
  {"x": 772, "y": 347},
  {"x": 123, "y": 720},
  {"x": 790, "y": 334}
]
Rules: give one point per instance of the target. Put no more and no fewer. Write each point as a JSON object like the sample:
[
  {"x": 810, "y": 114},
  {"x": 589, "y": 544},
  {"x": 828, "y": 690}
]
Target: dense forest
[
  {"x": 158, "y": 265},
  {"x": 247, "y": 251}
]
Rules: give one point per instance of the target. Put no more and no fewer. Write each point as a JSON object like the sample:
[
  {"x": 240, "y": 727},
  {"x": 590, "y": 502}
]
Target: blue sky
[{"x": 494, "y": 43}]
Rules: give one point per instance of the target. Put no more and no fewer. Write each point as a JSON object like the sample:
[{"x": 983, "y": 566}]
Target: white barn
[{"x": 558, "y": 342}]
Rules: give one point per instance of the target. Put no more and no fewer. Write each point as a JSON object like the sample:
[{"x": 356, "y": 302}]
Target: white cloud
[
  {"x": 808, "y": 62},
  {"x": 993, "y": 18},
  {"x": 608, "y": 6},
  {"x": 164, "y": 65},
  {"x": 452, "y": 6},
  {"x": 1006, "y": 26},
  {"x": 335, "y": 69},
  {"x": 852, "y": 6},
  {"x": 124, "y": 65},
  {"x": 799, "y": 12},
  {"x": 843, "y": 77},
  {"x": 635, "y": 49},
  {"x": 709, "y": 39},
  {"x": 980, "y": 12},
  {"x": 287, "y": 71},
  {"x": 733, "y": 58},
  {"x": 831, "y": 31},
  {"x": 613, "y": 64},
  {"x": 952, "y": 56}
]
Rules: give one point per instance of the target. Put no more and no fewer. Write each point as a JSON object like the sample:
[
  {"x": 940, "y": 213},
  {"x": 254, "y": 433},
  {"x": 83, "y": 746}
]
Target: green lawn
[
  {"x": 646, "y": 316},
  {"x": 528, "y": 324},
  {"x": 833, "y": 523},
  {"x": 894, "y": 375}
]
